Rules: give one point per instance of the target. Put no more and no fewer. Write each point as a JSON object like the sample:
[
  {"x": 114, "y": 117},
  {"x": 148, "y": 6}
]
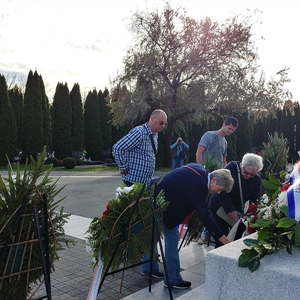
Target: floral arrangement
[
  {"x": 125, "y": 226},
  {"x": 274, "y": 219}
]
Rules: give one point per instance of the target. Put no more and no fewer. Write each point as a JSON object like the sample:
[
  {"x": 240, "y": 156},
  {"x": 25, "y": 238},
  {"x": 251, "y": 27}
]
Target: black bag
[{"x": 182, "y": 154}]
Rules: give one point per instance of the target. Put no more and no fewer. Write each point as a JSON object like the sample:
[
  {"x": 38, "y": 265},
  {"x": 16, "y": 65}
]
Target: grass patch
[
  {"x": 94, "y": 168},
  {"x": 90, "y": 168}
]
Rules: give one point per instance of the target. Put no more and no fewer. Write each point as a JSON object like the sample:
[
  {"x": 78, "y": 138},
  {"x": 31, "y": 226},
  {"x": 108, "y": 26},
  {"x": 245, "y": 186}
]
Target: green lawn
[{"x": 90, "y": 168}]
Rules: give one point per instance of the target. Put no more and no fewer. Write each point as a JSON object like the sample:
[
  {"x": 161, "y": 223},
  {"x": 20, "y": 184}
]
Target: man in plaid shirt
[{"x": 135, "y": 152}]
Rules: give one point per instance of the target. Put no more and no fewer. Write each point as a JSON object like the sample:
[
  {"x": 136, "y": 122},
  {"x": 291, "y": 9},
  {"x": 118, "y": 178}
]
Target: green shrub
[
  {"x": 80, "y": 162},
  {"x": 69, "y": 162},
  {"x": 51, "y": 160}
]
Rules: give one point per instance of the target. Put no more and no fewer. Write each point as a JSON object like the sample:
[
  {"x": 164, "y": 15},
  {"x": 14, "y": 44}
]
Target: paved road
[{"x": 86, "y": 193}]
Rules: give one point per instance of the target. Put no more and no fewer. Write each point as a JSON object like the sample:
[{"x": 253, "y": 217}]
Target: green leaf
[
  {"x": 286, "y": 222},
  {"x": 250, "y": 242},
  {"x": 246, "y": 257},
  {"x": 289, "y": 248},
  {"x": 254, "y": 264},
  {"x": 261, "y": 223},
  {"x": 271, "y": 186},
  {"x": 284, "y": 210},
  {"x": 260, "y": 249},
  {"x": 297, "y": 235}
]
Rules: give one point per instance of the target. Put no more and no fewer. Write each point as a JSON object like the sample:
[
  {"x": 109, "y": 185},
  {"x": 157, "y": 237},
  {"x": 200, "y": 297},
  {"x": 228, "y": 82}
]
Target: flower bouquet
[
  {"x": 125, "y": 227},
  {"x": 276, "y": 219}
]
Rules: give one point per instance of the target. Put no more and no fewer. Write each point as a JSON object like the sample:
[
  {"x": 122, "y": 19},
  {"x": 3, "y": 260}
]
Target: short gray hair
[
  {"x": 252, "y": 162},
  {"x": 224, "y": 178}
]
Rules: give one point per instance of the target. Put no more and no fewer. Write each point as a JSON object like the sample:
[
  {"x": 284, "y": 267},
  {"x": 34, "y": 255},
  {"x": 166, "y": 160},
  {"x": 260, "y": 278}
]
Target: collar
[{"x": 208, "y": 180}]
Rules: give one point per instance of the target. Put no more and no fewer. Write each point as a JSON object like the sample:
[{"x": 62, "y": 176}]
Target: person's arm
[
  {"x": 224, "y": 240},
  {"x": 199, "y": 154},
  {"x": 173, "y": 146},
  {"x": 185, "y": 145},
  {"x": 224, "y": 161},
  {"x": 125, "y": 144}
]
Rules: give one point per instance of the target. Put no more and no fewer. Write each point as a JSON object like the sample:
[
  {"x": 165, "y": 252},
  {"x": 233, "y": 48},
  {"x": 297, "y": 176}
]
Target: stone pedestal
[{"x": 277, "y": 278}]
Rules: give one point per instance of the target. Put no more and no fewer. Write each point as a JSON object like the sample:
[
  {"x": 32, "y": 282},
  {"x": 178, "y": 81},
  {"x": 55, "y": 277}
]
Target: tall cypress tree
[
  {"x": 33, "y": 118},
  {"x": 46, "y": 116},
  {"x": 17, "y": 102},
  {"x": 243, "y": 135},
  {"x": 77, "y": 118},
  {"x": 105, "y": 124},
  {"x": 62, "y": 122},
  {"x": 92, "y": 133},
  {"x": 8, "y": 130}
]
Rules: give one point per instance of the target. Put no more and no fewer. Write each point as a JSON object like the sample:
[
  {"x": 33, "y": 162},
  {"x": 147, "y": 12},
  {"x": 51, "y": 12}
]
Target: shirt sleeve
[
  {"x": 125, "y": 144},
  {"x": 185, "y": 145},
  {"x": 199, "y": 204}
]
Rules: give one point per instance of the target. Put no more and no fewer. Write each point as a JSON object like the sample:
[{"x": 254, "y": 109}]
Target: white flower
[
  {"x": 124, "y": 190},
  {"x": 265, "y": 199},
  {"x": 282, "y": 198}
]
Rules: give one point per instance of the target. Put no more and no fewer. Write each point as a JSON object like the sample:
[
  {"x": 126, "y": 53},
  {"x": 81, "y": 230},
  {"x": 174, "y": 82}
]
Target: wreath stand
[
  {"x": 155, "y": 236},
  {"x": 15, "y": 249}
]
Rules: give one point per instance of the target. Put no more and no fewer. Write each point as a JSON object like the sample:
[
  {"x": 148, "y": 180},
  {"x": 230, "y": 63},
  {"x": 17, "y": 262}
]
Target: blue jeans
[
  {"x": 177, "y": 162},
  {"x": 146, "y": 266},
  {"x": 171, "y": 238}
]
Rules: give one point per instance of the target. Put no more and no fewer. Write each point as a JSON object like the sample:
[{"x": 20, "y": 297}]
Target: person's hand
[
  {"x": 123, "y": 172},
  {"x": 232, "y": 216},
  {"x": 224, "y": 240}
]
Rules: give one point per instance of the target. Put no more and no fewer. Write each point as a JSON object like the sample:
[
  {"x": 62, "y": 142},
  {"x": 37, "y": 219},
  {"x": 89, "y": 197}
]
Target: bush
[
  {"x": 80, "y": 162},
  {"x": 51, "y": 160},
  {"x": 69, "y": 162}
]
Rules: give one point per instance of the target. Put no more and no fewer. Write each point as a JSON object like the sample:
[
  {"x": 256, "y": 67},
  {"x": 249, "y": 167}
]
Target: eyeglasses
[
  {"x": 247, "y": 173},
  {"x": 163, "y": 123}
]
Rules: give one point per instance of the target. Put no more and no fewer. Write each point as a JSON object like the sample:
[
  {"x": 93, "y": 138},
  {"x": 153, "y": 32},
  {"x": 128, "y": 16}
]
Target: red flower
[
  {"x": 106, "y": 211},
  {"x": 252, "y": 209},
  {"x": 250, "y": 229},
  {"x": 285, "y": 187}
]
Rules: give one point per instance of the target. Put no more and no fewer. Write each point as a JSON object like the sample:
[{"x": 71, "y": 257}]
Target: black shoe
[
  {"x": 182, "y": 285},
  {"x": 157, "y": 275}
]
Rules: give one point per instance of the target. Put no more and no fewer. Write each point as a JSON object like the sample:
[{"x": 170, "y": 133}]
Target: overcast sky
[{"x": 85, "y": 41}]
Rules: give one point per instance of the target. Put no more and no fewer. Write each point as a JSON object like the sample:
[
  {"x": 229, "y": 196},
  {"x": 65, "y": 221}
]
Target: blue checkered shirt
[{"x": 134, "y": 152}]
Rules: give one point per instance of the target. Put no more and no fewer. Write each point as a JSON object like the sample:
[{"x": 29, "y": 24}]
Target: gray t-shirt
[{"x": 216, "y": 147}]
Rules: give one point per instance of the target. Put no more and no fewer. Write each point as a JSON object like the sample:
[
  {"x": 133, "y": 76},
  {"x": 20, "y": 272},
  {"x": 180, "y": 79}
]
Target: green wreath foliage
[
  {"x": 17, "y": 229},
  {"x": 126, "y": 226}
]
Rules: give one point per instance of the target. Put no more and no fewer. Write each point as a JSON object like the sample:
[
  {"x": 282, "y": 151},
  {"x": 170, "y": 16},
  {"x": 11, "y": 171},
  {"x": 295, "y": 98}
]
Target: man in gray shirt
[
  {"x": 213, "y": 147},
  {"x": 213, "y": 144}
]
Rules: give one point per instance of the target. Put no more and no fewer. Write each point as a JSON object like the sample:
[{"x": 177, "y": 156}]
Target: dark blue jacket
[
  {"x": 251, "y": 189},
  {"x": 187, "y": 191}
]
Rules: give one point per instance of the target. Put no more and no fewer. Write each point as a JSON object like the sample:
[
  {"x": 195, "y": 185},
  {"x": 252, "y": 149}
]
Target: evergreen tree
[
  {"x": 243, "y": 135},
  {"x": 297, "y": 129},
  {"x": 17, "y": 102},
  {"x": 195, "y": 132},
  {"x": 259, "y": 133},
  {"x": 105, "y": 120},
  {"x": 288, "y": 123},
  {"x": 77, "y": 118},
  {"x": 62, "y": 122},
  {"x": 8, "y": 130},
  {"x": 92, "y": 133},
  {"x": 46, "y": 116},
  {"x": 32, "y": 118}
]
